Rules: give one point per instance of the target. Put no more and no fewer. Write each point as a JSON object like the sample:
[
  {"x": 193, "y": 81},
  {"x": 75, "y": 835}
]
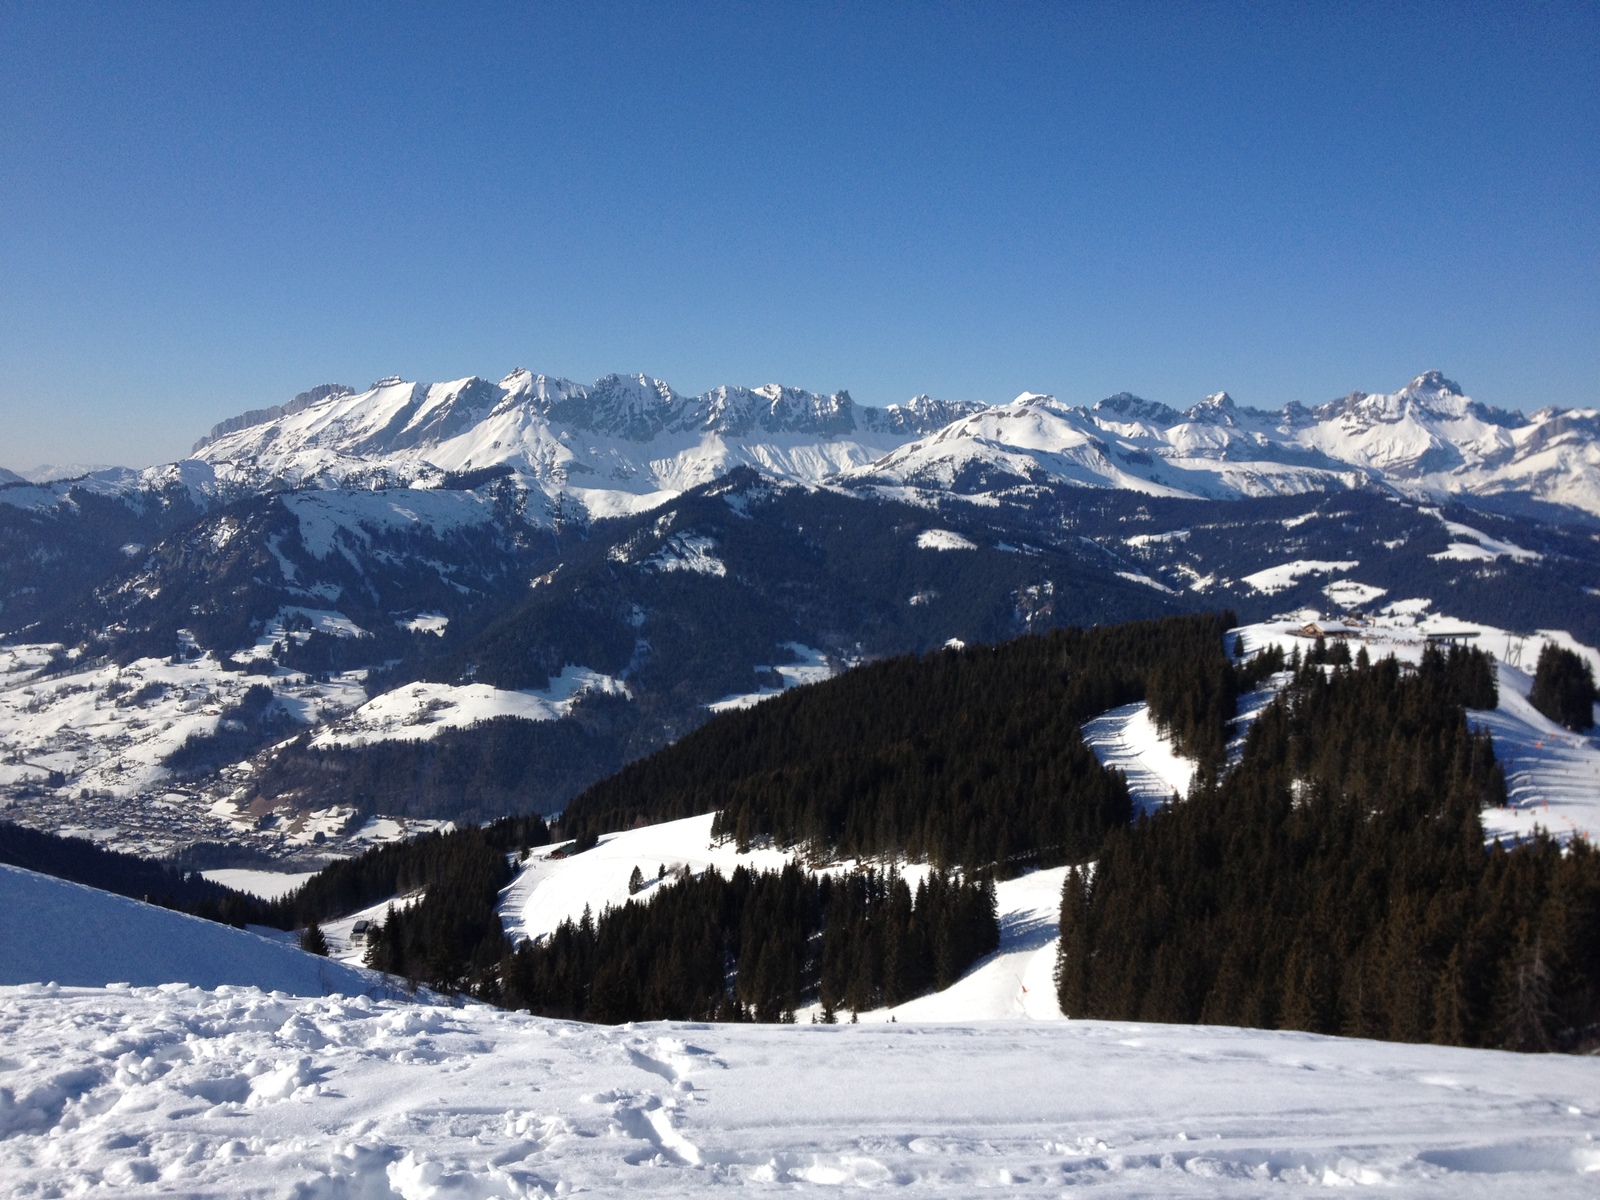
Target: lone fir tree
[{"x": 313, "y": 940}]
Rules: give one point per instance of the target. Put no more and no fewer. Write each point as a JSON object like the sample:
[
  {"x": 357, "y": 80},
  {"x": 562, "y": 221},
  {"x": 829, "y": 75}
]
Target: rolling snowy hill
[{"x": 55, "y": 931}]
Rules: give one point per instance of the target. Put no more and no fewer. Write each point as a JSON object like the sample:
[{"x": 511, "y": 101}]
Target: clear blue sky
[{"x": 205, "y": 208}]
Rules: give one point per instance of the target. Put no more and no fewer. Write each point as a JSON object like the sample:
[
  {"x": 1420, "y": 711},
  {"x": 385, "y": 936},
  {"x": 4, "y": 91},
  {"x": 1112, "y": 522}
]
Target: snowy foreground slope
[
  {"x": 237, "y": 1093},
  {"x": 54, "y": 930}
]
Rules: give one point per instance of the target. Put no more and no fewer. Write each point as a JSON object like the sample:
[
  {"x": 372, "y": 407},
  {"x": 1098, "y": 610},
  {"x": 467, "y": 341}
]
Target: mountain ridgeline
[
  {"x": 968, "y": 757},
  {"x": 1337, "y": 881}
]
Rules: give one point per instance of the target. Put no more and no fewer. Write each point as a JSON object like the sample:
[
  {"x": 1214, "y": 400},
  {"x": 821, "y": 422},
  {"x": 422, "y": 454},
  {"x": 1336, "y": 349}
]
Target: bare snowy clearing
[
  {"x": 943, "y": 539},
  {"x": 1127, "y": 739},
  {"x": 268, "y": 885},
  {"x": 238, "y": 1093},
  {"x": 1015, "y": 981},
  {"x": 419, "y": 711},
  {"x": 1276, "y": 579},
  {"x": 814, "y": 666}
]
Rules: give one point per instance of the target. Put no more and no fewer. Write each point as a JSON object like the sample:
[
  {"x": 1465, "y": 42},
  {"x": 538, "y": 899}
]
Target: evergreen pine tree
[
  {"x": 313, "y": 941},
  {"x": 1563, "y": 688}
]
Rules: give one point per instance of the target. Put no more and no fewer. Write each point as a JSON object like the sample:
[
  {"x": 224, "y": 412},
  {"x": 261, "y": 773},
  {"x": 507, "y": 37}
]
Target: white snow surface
[
  {"x": 1014, "y": 982},
  {"x": 268, "y": 885},
  {"x": 1127, "y": 739},
  {"x": 1276, "y": 579},
  {"x": 1478, "y": 546},
  {"x": 237, "y": 1093},
  {"x": 944, "y": 539},
  {"x": 419, "y": 711},
  {"x": 548, "y": 891},
  {"x": 53, "y": 930},
  {"x": 814, "y": 666},
  {"x": 1017, "y": 981},
  {"x": 428, "y": 622}
]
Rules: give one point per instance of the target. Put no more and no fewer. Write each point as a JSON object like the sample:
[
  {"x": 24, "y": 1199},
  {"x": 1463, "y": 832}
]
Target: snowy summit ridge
[{"x": 624, "y": 437}]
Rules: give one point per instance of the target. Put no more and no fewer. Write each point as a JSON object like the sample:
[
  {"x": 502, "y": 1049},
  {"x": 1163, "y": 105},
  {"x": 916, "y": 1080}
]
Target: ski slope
[
  {"x": 52, "y": 930},
  {"x": 1127, "y": 739},
  {"x": 1552, "y": 774},
  {"x": 241, "y": 1094},
  {"x": 1017, "y": 981}
]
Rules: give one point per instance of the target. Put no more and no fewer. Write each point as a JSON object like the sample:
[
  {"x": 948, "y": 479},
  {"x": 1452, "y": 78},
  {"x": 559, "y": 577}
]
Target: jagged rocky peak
[
  {"x": 1217, "y": 409},
  {"x": 1125, "y": 406},
  {"x": 773, "y": 408},
  {"x": 1430, "y": 396},
  {"x": 920, "y": 414},
  {"x": 1434, "y": 381}
]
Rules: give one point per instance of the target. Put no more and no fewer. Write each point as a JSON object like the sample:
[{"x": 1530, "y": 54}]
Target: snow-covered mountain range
[
  {"x": 624, "y": 444},
  {"x": 1425, "y": 440},
  {"x": 630, "y": 442}
]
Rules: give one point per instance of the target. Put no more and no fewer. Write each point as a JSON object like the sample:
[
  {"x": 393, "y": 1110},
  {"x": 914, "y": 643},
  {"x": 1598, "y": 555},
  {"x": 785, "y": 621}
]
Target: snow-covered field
[
  {"x": 548, "y": 891},
  {"x": 269, "y": 885},
  {"x": 1016, "y": 981},
  {"x": 238, "y": 1093},
  {"x": 419, "y": 711},
  {"x": 1277, "y": 579},
  {"x": 814, "y": 666}
]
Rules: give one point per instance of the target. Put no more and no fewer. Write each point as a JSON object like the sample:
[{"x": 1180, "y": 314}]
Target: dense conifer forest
[
  {"x": 757, "y": 946},
  {"x": 966, "y": 757},
  {"x": 1337, "y": 881},
  {"x": 1563, "y": 688}
]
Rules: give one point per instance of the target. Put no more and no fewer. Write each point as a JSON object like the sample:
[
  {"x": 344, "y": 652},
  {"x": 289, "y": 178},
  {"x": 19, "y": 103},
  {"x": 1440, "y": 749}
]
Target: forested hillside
[
  {"x": 1337, "y": 881},
  {"x": 757, "y": 946},
  {"x": 964, "y": 757}
]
